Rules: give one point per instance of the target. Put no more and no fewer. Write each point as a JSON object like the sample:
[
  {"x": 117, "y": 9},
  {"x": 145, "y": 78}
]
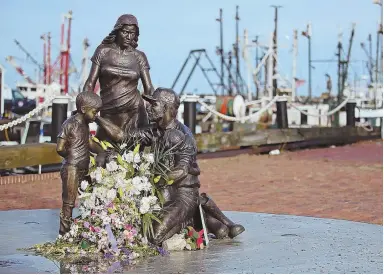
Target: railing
[{"x": 16, "y": 156}]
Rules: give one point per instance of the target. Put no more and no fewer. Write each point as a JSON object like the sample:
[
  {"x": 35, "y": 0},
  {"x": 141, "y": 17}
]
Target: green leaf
[
  {"x": 137, "y": 148},
  {"x": 195, "y": 235},
  {"x": 120, "y": 160},
  {"x": 131, "y": 171},
  {"x": 160, "y": 197},
  {"x": 95, "y": 139},
  {"x": 92, "y": 160},
  {"x": 84, "y": 244},
  {"x": 108, "y": 144},
  {"x": 103, "y": 145},
  {"x": 151, "y": 229},
  {"x": 156, "y": 179},
  {"x": 170, "y": 182},
  {"x": 120, "y": 192},
  {"x": 153, "y": 217}
]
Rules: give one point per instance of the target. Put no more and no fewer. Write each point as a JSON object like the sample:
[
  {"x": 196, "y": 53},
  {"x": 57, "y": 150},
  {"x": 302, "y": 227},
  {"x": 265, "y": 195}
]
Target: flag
[{"x": 299, "y": 82}]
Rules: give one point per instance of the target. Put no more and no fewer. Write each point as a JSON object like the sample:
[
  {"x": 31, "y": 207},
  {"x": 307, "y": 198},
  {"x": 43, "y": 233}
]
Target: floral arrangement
[
  {"x": 195, "y": 239},
  {"x": 117, "y": 207}
]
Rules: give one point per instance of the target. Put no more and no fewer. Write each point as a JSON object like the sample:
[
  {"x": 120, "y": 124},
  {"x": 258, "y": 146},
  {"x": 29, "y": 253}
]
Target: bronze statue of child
[{"x": 74, "y": 144}]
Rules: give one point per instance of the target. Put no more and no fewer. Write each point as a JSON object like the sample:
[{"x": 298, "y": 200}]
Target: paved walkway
[
  {"x": 342, "y": 183},
  {"x": 270, "y": 244}
]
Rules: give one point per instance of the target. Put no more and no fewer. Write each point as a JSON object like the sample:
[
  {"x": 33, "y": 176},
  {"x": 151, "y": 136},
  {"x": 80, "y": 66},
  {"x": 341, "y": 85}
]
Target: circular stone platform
[{"x": 270, "y": 244}]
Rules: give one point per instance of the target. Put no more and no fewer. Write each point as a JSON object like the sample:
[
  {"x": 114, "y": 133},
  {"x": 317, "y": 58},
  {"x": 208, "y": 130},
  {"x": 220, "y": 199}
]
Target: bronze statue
[
  {"x": 182, "y": 197},
  {"x": 118, "y": 66},
  {"x": 74, "y": 145}
]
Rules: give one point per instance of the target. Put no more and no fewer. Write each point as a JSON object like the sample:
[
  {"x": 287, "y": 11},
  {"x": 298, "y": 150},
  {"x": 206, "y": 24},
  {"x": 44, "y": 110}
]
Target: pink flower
[
  {"x": 128, "y": 235},
  {"x": 199, "y": 241},
  {"x": 128, "y": 227},
  {"x": 97, "y": 229}
]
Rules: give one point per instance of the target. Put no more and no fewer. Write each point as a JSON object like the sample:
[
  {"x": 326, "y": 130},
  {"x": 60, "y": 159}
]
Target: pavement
[{"x": 270, "y": 244}]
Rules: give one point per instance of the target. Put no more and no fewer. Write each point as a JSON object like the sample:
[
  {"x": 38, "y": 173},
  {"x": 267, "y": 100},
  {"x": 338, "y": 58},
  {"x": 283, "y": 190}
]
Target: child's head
[{"x": 88, "y": 104}]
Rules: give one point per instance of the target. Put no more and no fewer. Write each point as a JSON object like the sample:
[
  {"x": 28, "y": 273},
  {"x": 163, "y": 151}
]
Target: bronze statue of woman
[{"x": 119, "y": 66}]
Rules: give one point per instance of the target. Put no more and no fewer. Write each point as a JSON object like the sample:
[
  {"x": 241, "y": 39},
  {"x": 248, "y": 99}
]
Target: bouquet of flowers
[
  {"x": 117, "y": 207},
  {"x": 195, "y": 239}
]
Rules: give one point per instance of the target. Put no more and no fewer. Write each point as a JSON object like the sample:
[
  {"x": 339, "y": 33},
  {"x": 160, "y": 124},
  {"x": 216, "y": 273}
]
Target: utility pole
[
  {"x": 379, "y": 31},
  {"x": 266, "y": 74},
  {"x": 1, "y": 91},
  {"x": 377, "y": 66},
  {"x": 230, "y": 80},
  {"x": 256, "y": 41},
  {"x": 237, "y": 18},
  {"x": 271, "y": 80},
  {"x": 293, "y": 92},
  {"x": 345, "y": 69},
  {"x": 370, "y": 56},
  {"x": 45, "y": 70},
  {"x": 339, "y": 69},
  {"x": 275, "y": 51},
  {"x": 221, "y": 51},
  {"x": 336, "y": 120},
  {"x": 308, "y": 34},
  {"x": 49, "y": 67},
  {"x": 84, "y": 69}
]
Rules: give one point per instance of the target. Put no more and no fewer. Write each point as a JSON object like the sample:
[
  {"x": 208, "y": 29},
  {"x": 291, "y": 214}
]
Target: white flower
[
  {"x": 136, "y": 158},
  {"x": 85, "y": 214},
  {"x": 112, "y": 166},
  {"x": 134, "y": 255},
  {"x": 149, "y": 158},
  {"x": 146, "y": 202},
  {"x": 136, "y": 181},
  {"x": 146, "y": 185},
  {"x": 152, "y": 200},
  {"x": 128, "y": 157},
  {"x": 84, "y": 185},
  {"x": 144, "y": 166},
  {"x": 120, "y": 182},
  {"x": 140, "y": 184},
  {"x": 144, "y": 208},
  {"x": 123, "y": 145},
  {"x": 111, "y": 194},
  {"x": 97, "y": 174}
]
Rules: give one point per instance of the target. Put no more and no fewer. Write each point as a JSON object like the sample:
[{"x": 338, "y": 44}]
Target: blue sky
[{"x": 169, "y": 29}]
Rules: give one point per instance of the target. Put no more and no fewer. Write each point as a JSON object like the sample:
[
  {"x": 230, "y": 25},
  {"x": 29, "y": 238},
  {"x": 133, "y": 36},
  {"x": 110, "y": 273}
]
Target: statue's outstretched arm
[
  {"x": 90, "y": 84},
  {"x": 113, "y": 132}
]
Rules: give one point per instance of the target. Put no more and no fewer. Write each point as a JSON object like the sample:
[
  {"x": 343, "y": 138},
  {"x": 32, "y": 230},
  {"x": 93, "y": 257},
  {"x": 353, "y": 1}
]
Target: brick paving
[{"x": 342, "y": 183}]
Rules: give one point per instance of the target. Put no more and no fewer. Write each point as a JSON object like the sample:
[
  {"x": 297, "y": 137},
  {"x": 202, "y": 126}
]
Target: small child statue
[{"x": 74, "y": 144}]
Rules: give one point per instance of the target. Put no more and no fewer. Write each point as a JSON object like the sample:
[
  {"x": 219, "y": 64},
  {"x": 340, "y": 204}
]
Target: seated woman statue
[
  {"x": 182, "y": 199},
  {"x": 119, "y": 66}
]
